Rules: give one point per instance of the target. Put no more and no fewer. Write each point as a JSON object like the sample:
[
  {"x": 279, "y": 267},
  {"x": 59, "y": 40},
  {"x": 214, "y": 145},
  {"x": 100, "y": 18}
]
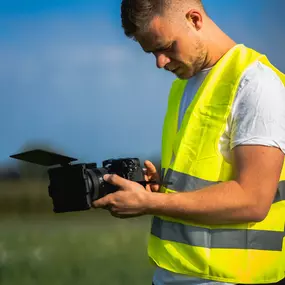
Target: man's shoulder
[
  {"x": 258, "y": 112},
  {"x": 259, "y": 86},
  {"x": 259, "y": 74}
]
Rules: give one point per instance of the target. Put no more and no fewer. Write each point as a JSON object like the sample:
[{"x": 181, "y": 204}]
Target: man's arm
[
  {"x": 246, "y": 199},
  {"x": 257, "y": 140}
]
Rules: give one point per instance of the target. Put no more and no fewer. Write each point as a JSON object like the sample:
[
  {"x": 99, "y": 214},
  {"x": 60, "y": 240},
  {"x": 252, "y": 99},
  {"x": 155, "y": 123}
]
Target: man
[{"x": 220, "y": 218}]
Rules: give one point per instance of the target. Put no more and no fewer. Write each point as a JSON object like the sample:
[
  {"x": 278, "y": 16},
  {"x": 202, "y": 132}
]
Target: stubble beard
[{"x": 195, "y": 63}]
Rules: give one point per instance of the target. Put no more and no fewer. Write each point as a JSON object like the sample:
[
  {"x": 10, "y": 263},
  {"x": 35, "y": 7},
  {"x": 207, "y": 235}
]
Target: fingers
[
  {"x": 148, "y": 188},
  {"x": 116, "y": 180},
  {"x": 155, "y": 188},
  {"x": 102, "y": 203}
]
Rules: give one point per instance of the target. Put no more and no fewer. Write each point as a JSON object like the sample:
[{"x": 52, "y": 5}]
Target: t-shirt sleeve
[{"x": 258, "y": 113}]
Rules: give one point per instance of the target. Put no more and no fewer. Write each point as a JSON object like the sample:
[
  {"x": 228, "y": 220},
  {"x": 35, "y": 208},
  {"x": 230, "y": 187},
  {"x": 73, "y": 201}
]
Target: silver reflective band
[
  {"x": 217, "y": 238},
  {"x": 280, "y": 194},
  {"x": 182, "y": 182},
  {"x": 162, "y": 173}
]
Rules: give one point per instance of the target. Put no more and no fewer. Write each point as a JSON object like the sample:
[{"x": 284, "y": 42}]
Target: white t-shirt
[{"x": 257, "y": 118}]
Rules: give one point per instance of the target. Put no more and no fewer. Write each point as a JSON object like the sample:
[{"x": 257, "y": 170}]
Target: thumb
[
  {"x": 150, "y": 167},
  {"x": 151, "y": 172}
]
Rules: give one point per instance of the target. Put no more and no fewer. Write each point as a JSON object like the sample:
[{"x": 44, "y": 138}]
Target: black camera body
[{"x": 75, "y": 187}]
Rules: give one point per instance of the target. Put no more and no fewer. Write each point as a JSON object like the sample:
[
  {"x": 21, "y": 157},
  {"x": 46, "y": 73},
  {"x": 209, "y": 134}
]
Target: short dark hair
[{"x": 136, "y": 14}]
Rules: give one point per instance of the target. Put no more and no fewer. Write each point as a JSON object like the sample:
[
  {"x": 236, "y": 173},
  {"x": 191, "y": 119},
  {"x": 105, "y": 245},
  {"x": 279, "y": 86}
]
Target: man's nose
[{"x": 161, "y": 60}]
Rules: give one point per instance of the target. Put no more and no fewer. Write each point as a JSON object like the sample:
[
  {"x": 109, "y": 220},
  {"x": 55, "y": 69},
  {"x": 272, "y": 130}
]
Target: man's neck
[{"x": 218, "y": 44}]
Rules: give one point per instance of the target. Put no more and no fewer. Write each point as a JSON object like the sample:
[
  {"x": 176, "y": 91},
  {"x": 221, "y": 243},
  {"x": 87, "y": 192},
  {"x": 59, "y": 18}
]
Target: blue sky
[{"x": 71, "y": 79}]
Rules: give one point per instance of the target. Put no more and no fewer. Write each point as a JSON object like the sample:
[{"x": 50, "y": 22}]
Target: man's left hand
[{"x": 131, "y": 200}]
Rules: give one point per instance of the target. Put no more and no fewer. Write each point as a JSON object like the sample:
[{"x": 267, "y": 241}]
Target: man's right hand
[{"x": 151, "y": 174}]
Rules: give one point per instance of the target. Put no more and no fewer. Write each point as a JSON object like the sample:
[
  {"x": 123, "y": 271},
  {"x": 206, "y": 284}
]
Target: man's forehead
[{"x": 151, "y": 31}]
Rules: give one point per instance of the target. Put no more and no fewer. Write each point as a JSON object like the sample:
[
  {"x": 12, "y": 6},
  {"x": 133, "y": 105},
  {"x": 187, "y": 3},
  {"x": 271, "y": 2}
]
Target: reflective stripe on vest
[
  {"x": 217, "y": 238},
  {"x": 182, "y": 182}
]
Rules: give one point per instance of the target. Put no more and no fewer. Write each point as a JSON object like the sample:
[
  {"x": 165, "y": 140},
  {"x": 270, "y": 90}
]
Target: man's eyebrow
[{"x": 159, "y": 47}]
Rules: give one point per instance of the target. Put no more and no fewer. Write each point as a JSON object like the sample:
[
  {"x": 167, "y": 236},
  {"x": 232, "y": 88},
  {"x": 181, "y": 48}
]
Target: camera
[{"x": 73, "y": 187}]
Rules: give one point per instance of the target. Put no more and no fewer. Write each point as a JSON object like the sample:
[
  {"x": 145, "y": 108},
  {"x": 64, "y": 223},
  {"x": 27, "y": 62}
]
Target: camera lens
[{"x": 96, "y": 182}]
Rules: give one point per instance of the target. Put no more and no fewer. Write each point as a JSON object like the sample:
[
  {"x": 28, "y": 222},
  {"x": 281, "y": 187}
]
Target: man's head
[{"x": 170, "y": 29}]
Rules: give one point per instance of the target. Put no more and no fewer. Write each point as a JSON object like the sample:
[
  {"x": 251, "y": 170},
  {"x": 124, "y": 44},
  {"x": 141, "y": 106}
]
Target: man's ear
[{"x": 195, "y": 18}]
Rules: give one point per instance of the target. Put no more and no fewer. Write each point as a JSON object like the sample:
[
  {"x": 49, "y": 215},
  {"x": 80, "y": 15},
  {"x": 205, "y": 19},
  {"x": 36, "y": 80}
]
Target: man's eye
[
  {"x": 169, "y": 47},
  {"x": 164, "y": 49}
]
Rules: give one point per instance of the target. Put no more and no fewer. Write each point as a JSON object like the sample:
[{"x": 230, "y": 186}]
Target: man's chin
[{"x": 182, "y": 74}]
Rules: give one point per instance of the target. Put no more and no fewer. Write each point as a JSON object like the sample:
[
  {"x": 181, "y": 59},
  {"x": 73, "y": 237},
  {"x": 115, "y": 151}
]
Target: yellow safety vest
[{"x": 236, "y": 253}]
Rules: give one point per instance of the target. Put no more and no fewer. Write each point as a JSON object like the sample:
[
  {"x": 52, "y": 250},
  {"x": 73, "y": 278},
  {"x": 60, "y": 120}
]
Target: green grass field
[{"x": 68, "y": 249}]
